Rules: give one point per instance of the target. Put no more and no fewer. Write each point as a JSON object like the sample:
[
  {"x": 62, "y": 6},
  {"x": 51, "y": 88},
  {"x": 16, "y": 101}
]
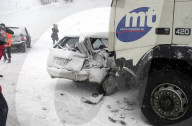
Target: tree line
[{"x": 53, "y": 1}]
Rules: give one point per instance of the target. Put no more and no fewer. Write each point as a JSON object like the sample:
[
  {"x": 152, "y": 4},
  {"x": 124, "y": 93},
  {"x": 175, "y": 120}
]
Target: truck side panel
[
  {"x": 135, "y": 26},
  {"x": 183, "y": 23}
]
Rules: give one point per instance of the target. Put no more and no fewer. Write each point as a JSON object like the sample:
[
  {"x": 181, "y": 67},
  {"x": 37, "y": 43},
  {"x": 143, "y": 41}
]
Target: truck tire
[
  {"x": 167, "y": 98},
  {"x": 109, "y": 85}
]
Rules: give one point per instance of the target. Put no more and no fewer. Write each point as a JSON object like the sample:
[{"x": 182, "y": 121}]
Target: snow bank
[
  {"x": 86, "y": 24},
  {"x": 79, "y": 24}
]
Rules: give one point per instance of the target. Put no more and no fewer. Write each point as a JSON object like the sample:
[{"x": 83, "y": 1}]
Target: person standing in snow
[
  {"x": 3, "y": 37},
  {"x": 3, "y": 103},
  {"x": 3, "y": 109},
  {"x": 8, "y": 48},
  {"x": 54, "y": 35}
]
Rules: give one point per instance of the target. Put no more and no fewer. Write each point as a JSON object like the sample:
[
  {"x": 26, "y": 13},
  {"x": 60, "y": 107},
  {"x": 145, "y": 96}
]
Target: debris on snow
[
  {"x": 43, "y": 108},
  {"x": 115, "y": 111},
  {"x": 122, "y": 122},
  {"x": 122, "y": 116},
  {"x": 127, "y": 108},
  {"x": 112, "y": 120},
  {"x": 108, "y": 106},
  {"x": 130, "y": 102},
  {"x": 92, "y": 100}
]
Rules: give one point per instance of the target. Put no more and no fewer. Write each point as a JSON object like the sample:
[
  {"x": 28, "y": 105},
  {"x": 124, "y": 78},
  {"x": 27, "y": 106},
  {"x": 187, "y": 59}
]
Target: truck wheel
[
  {"x": 167, "y": 98},
  {"x": 109, "y": 85}
]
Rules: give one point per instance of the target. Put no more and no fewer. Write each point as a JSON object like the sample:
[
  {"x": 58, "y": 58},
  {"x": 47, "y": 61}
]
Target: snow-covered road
[
  {"x": 11, "y": 74},
  {"x": 42, "y": 101},
  {"x": 35, "y": 99}
]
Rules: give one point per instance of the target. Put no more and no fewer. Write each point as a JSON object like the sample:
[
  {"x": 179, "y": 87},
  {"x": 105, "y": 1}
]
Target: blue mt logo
[{"x": 136, "y": 24}]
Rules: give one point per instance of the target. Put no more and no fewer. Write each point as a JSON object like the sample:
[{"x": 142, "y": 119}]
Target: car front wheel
[{"x": 109, "y": 85}]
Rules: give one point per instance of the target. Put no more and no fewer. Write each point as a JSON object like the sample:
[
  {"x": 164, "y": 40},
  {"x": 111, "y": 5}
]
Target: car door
[
  {"x": 27, "y": 35},
  {"x": 97, "y": 57}
]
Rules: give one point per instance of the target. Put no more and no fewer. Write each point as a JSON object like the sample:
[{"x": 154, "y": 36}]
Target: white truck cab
[{"x": 152, "y": 41}]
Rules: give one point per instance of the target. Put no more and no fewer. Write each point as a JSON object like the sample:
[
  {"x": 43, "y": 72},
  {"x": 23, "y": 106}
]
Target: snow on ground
[
  {"x": 37, "y": 100},
  {"x": 9, "y": 82},
  {"x": 43, "y": 101},
  {"x": 39, "y": 18},
  {"x": 10, "y": 5}
]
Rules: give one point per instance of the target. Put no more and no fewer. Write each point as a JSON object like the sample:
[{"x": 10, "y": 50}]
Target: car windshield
[
  {"x": 67, "y": 42},
  {"x": 16, "y": 30},
  {"x": 97, "y": 43}
]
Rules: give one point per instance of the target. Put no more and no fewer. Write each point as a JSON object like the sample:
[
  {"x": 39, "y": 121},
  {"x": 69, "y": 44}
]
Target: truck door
[
  {"x": 182, "y": 22},
  {"x": 141, "y": 25}
]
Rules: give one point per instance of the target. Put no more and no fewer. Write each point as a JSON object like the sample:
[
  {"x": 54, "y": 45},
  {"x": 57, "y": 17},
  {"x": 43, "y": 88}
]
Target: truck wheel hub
[
  {"x": 169, "y": 101},
  {"x": 166, "y": 103}
]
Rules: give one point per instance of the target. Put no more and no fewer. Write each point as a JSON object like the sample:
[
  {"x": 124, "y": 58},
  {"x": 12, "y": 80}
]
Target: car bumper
[
  {"x": 57, "y": 67},
  {"x": 17, "y": 43},
  {"x": 71, "y": 75},
  {"x": 93, "y": 75}
]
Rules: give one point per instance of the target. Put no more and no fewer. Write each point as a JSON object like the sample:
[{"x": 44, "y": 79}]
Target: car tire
[
  {"x": 109, "y": 85},
  {"x": 167, "y": 97}
]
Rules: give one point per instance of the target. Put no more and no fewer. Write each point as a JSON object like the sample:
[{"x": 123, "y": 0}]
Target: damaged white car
[{"x": 83, "y": 59}]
